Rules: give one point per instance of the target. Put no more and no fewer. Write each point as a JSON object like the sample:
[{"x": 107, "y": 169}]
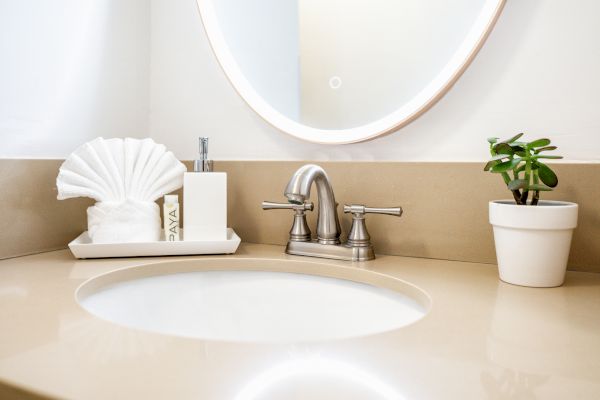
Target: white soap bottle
[{"x": 204, "y": 200}]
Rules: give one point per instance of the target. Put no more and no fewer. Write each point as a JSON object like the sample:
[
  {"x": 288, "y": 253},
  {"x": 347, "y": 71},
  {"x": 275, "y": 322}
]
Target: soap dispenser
[{"x": 204, "y": 200}]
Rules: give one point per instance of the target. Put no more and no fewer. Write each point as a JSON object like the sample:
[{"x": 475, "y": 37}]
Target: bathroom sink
[{"x": 208, "y": 301}]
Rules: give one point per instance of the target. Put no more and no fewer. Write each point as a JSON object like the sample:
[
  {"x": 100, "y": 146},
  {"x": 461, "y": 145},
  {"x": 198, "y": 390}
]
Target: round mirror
[{"x": 344, "y": 71}]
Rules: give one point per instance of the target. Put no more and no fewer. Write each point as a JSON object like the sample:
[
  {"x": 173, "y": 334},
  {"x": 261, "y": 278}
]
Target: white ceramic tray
[{"x": 82, "y": 247}]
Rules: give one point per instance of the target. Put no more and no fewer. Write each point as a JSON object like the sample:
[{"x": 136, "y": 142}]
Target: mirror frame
[{"x": 389, "y": 123}]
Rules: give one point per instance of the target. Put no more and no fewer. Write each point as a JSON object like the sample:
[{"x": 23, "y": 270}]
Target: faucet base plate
[{"x": 331, "y": 251}]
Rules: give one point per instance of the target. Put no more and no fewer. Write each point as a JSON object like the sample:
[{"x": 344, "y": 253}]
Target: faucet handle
[
  {"x": 270, "y": 205},
  {"x": 300, "y": 231},
  {"x": 359, "y": 236},
  {"x": 359, "y": 209}
]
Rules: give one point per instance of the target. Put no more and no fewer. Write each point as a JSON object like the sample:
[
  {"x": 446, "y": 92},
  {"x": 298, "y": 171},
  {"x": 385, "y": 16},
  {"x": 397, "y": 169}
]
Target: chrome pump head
[{"x": 203, "y": 164}]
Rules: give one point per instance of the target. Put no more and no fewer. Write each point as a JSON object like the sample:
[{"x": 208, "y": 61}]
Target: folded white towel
[
  {"x": 126, "y": 221},
  {"x": 125, "y": 177}
]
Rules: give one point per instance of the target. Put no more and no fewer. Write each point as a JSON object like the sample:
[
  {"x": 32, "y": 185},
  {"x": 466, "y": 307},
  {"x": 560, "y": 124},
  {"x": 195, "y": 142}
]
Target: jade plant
[{"x": 520, "y": 166}]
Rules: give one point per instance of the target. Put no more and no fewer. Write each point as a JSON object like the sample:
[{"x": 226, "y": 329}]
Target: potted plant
[{"x": 532, "y": 236}]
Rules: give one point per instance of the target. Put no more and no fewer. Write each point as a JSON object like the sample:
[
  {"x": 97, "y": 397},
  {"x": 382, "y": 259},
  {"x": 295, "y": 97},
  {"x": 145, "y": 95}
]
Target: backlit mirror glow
[{"x": 344, "y": 70}]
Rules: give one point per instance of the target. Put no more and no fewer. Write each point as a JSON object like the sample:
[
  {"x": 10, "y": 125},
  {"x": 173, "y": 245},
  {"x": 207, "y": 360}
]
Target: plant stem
[
  {"x": 525, "y": 194},
  {"x": 536, "y": 194},
  {"x": 505, "y": 177},
  {"x": 516, "y": 194}
]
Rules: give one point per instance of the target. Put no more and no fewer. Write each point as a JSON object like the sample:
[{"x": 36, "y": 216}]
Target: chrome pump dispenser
[{"x": 204, "y": 200}]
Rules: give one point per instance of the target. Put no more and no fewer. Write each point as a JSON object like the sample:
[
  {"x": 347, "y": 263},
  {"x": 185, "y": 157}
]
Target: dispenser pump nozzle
[{"x": 203, "y": 164}]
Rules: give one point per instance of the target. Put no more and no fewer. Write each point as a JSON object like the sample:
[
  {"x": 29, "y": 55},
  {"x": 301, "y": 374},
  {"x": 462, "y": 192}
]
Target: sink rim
[{"x": 352, "y": 273}]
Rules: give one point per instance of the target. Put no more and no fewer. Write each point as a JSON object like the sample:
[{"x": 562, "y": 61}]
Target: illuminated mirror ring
[{"x": 406, "y": 113}]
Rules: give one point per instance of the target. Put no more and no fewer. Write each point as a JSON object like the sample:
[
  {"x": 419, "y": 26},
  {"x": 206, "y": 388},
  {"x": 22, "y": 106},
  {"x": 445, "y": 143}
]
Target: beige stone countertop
[{"x": 481, "y": 339}]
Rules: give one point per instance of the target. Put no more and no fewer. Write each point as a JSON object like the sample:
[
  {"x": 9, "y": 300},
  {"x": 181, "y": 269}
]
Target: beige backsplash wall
[
  {"x": 34, "y": 221},
  {"x": 445, "y": 206}
]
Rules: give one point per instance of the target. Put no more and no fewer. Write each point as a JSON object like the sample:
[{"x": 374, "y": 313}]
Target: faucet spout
[{"x": 298, "y": 190}]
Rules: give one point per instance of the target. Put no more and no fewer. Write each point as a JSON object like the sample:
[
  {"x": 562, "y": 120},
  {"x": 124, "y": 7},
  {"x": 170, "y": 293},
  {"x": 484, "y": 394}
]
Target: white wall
[
  {"x": 538, "y": 72},
  {"x": 71, "y": 70}
]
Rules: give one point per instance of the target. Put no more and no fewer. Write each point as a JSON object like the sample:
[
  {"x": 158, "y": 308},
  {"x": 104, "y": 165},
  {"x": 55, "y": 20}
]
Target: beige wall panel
[
  {"x": 33, "y": 219},
  {"x": 445, "y": 206}
]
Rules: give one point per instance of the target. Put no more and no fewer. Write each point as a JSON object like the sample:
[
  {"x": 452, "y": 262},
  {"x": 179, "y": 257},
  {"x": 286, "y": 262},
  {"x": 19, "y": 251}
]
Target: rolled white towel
[{"x": 123, "y": 222}]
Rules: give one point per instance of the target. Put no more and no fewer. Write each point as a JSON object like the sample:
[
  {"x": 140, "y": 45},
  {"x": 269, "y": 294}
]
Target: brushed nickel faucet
[
  {"x": 327, "y": 243},
  {"x": 298, "y": 190}
]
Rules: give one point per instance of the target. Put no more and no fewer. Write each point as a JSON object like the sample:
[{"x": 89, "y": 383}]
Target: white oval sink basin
[{"x": 250, "y": 306}]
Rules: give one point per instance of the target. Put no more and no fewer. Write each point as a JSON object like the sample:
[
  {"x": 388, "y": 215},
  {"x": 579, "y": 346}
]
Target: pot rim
[
  {"x": 542, "y": 203},
  {"x": 547, "y": 215}
]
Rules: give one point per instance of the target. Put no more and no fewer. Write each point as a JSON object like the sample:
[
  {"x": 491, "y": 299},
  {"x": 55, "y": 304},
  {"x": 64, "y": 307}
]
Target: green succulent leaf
[
  {"x": 547, "y": 176},
  {"x": 547, "y": 148},
  {"x": 518, "y": 184},
  {"x": 513, "y": 139},
  {"x": 495, "y": 160},
  {"x": 538, "y": 143},
  {"x": 521, "y": 166},
  {"x": 503, "y": 148},
  {"x": 500, "y": 157},
  {"x": 506, "y": 165},
  {"x": 540, "y": 188}
]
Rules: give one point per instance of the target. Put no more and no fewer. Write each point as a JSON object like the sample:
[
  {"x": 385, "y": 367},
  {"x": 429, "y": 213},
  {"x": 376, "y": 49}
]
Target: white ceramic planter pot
[{"x": 533, "y": 242}]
